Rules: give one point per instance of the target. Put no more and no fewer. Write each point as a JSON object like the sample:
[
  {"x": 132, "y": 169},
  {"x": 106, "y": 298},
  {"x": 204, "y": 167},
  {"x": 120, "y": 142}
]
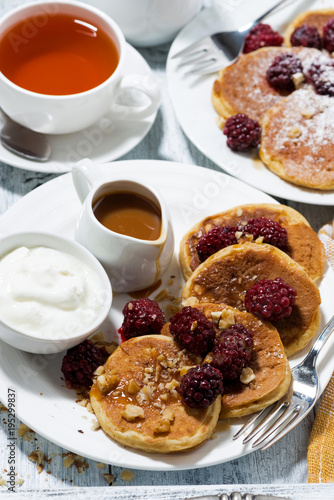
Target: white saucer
[
  {"x": 103, "y": 143},
  {"x": 55, "y": 207},
  {"x": 191, "y": 96}
]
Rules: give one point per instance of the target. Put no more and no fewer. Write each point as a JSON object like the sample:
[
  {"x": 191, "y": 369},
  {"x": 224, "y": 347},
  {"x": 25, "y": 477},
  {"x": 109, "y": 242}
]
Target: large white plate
[
  {"x": 191, "y": 96},
  {"x": 43, "y": 403},
  {"x": 100, "y": 143}
]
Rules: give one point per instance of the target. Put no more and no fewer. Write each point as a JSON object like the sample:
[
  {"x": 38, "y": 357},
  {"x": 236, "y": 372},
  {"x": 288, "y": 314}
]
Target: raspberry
[
  {"x": 328, "y": 35},
  {"x": 193, "y": 330},
  {"x": 262, "y": 35},
  {"x": 271, "y": 231},
  {"x": 307, "y": 36},
  {"x": 270, "y": 299},
  {"x": 217, "y": 238},
  {"x": 242, "y": 132},
  {"x": 142, "y": 317},
  {"x": 281, "y": 70},
  {"x": 201, "y": 386},
  {"x": 232, "y": 351},
  {"x": 321, "y": 75},
  {"x": 80, "y": 362}
]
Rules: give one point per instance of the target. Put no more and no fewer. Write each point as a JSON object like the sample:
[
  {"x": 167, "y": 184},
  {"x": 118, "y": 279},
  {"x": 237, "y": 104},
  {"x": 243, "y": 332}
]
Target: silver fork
[
  {"x": 281, "y": 417},
  {"x": 213, "y": 52}
]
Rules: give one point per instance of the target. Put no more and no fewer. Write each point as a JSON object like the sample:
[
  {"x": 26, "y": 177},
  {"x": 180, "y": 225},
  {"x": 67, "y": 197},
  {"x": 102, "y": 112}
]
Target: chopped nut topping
[
  {"x": 298, "y": 79},
  {"x": 247, "y": 375},
  {"x": 239, "y": 212},
  {"x": 249, "y": 237},
  {"x": 193, "y": 326},
  {"x": 107, "y": 382},
  {"x": 22, "y": 430},
  {"x": 259, "y": 239},
  {"x": 172, "y": 385},
  {"x": 161, "y": 357},
  {"x": 215, "y": 316},
  {"x": 127, "y": 475},
  {"x": 167, "y": 417},
  {"x": 190, "y": 301},
  {"x": 133, "y": 387},
  {"x": 226, "y": 319},
  {"x": 148, "y": 370},
  {"x": 307, "y": 113},
  {"x": 99, "y": 370},
  {"x": 109, "y": 478},
  {"x": 238, "y": 234},
  {"x": 294, "y": 132},
  {"x": 132, "y": 412}
]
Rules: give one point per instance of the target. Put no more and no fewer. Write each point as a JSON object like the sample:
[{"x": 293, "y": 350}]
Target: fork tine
[
  {"x": 289, "y": 426},
  {"x": 279, "y": 423},
  {"x": 193, "y": 48},
  {"x": 249, "y": 422},
  {"x": 275, "y": 410},
  {"x": 215, "y": 66},
  {"x": 198, "y": 58}
]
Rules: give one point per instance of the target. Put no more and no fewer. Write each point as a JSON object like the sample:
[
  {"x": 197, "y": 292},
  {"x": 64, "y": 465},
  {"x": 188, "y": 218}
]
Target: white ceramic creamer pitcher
[{"x": 132, "y": 264}]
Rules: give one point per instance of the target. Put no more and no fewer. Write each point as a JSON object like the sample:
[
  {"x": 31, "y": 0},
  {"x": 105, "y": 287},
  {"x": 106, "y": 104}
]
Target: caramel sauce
[
  {"x": 63, "y": 55},
  {"x": 146, "y": 292},
  {"x": 129, "y": 214}
]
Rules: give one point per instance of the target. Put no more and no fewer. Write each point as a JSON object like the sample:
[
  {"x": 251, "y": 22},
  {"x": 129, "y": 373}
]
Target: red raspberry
[
  {"x": 142, "y": 317},
  {"x": 281, "y": 70},
  {"x": 328, "y": 35},
  {"x": 270, "y": 299},
  {"x": 307, "y": 36},
  {"x": 80, "y": 362},
  {"x": 217, "y": 238},
  {"x": 321, "y": 75},
  {"x": 201, "y": 386},
  {"x": 271, "y": 231},
  {"x": 242, "y": 132},
  {"x": 193, "y": 330},
  {"x": 232, "y": 351},
  {"x": 262, "y": 35}
]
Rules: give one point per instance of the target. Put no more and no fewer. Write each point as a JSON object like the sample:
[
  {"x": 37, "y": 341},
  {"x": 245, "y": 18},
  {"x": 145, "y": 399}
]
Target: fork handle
[
  {"x": 272, "y": 9},
  {"x": 319, "y": 343}
]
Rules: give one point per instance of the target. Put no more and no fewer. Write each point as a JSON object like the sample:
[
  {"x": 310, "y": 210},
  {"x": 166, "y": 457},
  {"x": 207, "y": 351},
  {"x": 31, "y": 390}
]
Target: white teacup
[
  {"x": 61, "y": 114},
  {"x": 149, "y": 22},
  {"x": 131, "y": 263}
]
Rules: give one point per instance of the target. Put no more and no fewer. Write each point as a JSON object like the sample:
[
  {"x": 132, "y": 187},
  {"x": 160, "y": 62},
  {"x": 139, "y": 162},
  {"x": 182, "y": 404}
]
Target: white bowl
[{"x": 38, "y": 343}]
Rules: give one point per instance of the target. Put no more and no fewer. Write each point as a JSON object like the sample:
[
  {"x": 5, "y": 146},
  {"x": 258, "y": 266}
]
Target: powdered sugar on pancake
[{"x": 299, "y": 134}]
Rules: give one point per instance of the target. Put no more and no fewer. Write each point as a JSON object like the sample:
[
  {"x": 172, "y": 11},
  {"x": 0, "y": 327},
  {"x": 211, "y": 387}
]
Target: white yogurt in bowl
[{"x": 53, "y": 292}]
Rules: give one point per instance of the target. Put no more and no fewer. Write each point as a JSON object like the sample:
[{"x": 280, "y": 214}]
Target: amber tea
[{"x": 67, "y": 55}]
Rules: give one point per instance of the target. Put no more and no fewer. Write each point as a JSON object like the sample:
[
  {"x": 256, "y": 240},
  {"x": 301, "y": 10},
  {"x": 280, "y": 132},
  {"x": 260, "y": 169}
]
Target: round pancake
[
  {"x": 228, "y": 274},
  {"x": 297, "y": 139},
  {"x": 243, "y": 88},
  {"x": 270, "y": 376},
  {"x": 317, "y": 18},
  {"x": 139, "y": 406},
  {"x": 304, "y": 246}
]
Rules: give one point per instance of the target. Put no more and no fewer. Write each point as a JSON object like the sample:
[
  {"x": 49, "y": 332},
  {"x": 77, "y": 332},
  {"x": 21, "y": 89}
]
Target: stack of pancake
[
  {"x": 223, "y": 279},
  {"x": 135, "y": 396},
  {"x": 297, "y": 127}
]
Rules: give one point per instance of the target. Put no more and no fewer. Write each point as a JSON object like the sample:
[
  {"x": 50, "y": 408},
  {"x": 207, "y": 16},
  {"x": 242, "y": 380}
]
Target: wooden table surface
[{"x": 284, "y": 466}]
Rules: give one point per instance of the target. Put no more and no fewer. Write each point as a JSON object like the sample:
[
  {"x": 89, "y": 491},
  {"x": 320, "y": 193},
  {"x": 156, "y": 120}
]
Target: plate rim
[
  {"x": 298, "y": 193},
  {"x": 159, "y": 464}
]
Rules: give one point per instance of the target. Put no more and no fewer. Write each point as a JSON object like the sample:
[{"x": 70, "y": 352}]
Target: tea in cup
[
  {"x": 126, "y": 225},
  {"x": 62, "y": 68}
]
